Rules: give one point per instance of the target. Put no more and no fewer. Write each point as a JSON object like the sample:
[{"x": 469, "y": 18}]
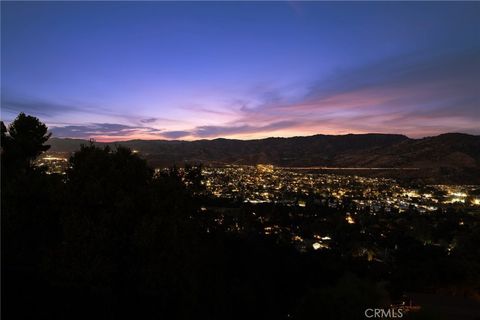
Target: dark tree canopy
[
  {"x": 4, "y": 132},
  {"x": 24, "y": 142},
  {"x": 101, "y": 171}
]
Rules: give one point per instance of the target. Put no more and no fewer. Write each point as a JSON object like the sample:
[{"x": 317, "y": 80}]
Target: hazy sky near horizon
[{"x": 190, "y": 70}]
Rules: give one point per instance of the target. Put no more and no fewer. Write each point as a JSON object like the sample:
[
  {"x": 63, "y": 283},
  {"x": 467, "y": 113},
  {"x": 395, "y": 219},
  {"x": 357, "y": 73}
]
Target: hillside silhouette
[{"x": 447, "y": 158}]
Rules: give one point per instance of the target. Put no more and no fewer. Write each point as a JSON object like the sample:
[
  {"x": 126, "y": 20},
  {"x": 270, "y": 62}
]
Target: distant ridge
[{"x": 450, "y": 157}]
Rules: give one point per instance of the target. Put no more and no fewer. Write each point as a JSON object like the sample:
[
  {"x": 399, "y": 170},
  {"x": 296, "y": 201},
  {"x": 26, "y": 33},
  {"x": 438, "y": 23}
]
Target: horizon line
[{"x": 270, "y": 137}]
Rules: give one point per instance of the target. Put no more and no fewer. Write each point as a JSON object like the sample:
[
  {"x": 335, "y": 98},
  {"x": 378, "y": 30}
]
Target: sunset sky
[{"x": 153, "y": 70}]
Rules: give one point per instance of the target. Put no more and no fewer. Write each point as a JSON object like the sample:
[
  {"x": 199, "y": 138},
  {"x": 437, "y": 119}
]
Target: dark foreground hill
[{"x": 447, "y": 158}]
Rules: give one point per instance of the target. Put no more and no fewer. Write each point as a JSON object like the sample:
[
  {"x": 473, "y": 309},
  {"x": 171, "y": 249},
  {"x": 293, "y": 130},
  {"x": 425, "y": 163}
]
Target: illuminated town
[
  {"x": 267, "y": 184},
  {"x": 270, "y": 184},
  {"x": 300, "y": 207},
  {"x": 53, "y": 163},
  {"x": 313, "y": 211}
]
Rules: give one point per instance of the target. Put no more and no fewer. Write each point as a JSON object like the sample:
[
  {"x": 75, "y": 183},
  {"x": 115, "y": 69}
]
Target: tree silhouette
[
  {"x": 5, "y": 144},
  {"x": 24, "y": 142},
  {"x": 5, "y": 139},
  {"x": 29, "y": 210}
]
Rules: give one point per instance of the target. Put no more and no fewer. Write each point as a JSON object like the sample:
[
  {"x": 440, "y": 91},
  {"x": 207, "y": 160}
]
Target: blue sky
[{"x": 190, "y": 70}]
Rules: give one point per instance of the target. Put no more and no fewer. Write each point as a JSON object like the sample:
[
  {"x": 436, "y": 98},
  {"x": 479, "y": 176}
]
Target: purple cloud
[
  {"x": 101, "y": 129},
  {"x": 175, "y": 134}
]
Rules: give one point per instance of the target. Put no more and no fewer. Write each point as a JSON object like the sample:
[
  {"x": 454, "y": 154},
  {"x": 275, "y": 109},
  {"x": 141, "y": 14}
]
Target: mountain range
[{"x": 446, "y": 158}]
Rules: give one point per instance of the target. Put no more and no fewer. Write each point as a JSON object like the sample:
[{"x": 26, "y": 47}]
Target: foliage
[{"x": 25, "y": 140}]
